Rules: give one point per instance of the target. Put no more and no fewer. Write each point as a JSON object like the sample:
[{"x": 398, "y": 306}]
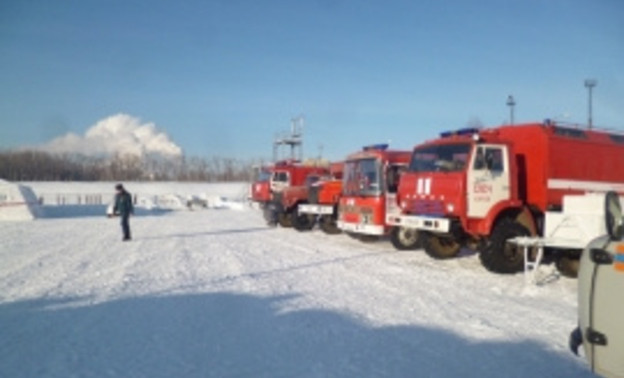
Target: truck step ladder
[{"x": 531, "y": 267}]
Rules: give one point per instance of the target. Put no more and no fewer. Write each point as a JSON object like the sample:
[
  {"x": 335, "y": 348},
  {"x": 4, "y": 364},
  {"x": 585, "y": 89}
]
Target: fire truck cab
[
  {"x": 369, "y": 185},
  {"x": 260, "y": 191},
  {"x": 323, "y": 198},
  {"x": 484, "y": 187},
  {"x": 288, "y": 185}
]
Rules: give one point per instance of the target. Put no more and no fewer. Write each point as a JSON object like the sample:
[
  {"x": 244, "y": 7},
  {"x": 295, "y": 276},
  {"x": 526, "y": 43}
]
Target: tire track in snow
[
  {"x": 61, "y": 262},
  {"x": 456, "y": 282}
]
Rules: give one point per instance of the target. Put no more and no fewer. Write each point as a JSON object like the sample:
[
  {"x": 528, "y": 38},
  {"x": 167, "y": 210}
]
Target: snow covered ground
[{"x": 216, "y": 293}]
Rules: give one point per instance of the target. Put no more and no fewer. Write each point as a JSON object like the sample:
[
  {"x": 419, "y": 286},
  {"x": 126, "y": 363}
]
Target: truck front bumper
[
  {"x": 420, "y": 222},
  {"x": 358, "y": 228},
  {"x": 315, "y": 209}
]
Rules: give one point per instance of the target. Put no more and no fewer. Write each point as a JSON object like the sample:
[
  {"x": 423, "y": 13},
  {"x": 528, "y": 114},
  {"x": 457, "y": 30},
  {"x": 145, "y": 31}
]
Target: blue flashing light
[
  {"x": 460, "y": 132},
  {"x": 468, "y": 131},
  {"x": 380, "y": 147}
]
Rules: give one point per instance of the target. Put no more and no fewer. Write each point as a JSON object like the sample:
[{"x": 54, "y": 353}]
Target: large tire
[
  {"x": 405, "y": 239},
  {"x": 302, "y": 222},
  {"x": 568, "y": 266},
  {"x": 268, "y": 215},
  {"x": 498, "y": 256},
  {"x": 440, "y": 247},
  {"x": 327, "y": 223},
  {"x": 284, "y": 219}
]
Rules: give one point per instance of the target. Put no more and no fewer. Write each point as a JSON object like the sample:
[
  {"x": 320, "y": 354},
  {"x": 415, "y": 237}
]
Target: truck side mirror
[
  {"x": 393, "y": 175},
  {"x": 613, "y": 216}
]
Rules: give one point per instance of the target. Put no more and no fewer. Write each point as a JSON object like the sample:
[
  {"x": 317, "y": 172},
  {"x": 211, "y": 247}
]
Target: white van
[{"x": 601, "y": 302}]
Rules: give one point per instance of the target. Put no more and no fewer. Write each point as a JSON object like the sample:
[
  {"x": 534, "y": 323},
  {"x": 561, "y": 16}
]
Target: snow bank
[
  {"x": 48, "y": 190},
  {"x": 219, "y": 202},
  {"x": 17, "y": 202},
  {"x": 77, "y": 199}
]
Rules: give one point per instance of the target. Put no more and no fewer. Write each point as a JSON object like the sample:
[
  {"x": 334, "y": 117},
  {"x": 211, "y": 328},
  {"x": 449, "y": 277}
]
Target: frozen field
[{"x": 216, "y": 293}]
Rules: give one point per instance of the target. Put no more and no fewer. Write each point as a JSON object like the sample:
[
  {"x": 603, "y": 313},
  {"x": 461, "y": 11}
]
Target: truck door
[
  {"x": 279, "y": 181},
  {"x": 393, "y": 175},
  {"x": 488, "y": 179}
]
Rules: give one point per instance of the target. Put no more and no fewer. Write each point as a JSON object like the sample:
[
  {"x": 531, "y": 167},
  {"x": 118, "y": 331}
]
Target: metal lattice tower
[{"x": 294, "y": 140}]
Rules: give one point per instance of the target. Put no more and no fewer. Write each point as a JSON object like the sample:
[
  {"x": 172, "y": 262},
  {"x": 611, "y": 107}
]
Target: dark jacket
[{"x": 123, "y": 203}]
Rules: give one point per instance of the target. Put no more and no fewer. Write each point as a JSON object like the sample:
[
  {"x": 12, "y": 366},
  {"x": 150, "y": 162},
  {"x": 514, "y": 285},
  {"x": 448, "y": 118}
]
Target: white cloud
[{"x": 119, "y": 134}]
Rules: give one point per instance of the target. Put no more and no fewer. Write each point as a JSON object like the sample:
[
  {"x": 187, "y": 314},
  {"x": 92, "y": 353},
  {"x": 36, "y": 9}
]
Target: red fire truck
[
  {"x": 369, "y": 185},
  {"x": 323, "y": 197},
  {"x": 288, "y": 185},
  {"x": 260, "y": 191},
  {"x": 483, "y": 188}
]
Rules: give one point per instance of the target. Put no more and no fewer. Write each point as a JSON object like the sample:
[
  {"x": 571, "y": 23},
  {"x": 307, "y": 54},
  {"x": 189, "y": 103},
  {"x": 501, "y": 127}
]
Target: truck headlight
[{"x": 450, "y": 208}]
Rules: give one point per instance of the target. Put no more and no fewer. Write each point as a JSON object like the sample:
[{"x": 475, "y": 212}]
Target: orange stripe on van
[{"x": 618, "y": 261}]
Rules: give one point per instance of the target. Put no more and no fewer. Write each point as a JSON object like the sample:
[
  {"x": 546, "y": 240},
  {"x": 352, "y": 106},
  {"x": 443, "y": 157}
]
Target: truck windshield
[
  {"x": 440, "y": 158},
  {"x": 262, "y": 175},
  {"x": 311, "y": 180},
  {"x": 362, "y": 177},
  {"x": 280, "y": 176}
]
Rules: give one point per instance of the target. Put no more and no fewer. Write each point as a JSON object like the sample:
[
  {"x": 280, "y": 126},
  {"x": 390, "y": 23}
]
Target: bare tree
[{"x": 43, "y": 166}]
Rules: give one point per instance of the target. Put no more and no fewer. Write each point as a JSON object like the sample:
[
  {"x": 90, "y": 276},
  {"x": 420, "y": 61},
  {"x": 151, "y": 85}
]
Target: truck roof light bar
[
  {"x": 460, "y": 132},
  {"x": 283, "y": 163},
  {"x": 379, "y": 146}
]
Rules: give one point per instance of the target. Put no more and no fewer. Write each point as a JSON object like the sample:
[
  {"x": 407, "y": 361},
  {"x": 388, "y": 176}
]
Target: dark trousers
[{"x": 125, "y": 225}]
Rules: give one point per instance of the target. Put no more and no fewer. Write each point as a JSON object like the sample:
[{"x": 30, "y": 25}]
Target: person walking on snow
[{"x": 123, "y": 207}]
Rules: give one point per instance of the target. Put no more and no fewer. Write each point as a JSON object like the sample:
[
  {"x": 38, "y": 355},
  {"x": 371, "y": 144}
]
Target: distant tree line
[{"x": 43, "y": 166}]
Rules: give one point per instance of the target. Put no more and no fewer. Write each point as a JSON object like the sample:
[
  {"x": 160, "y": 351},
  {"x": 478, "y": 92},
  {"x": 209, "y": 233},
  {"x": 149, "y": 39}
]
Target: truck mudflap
[
  {"x": 315, "y": 209},
  {"x": 420, "y": 222},
  {"x": 358, "y": 228}
]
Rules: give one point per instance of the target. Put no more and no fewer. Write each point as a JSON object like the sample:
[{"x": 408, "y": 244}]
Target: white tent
[{"x": 17, "y": 202}]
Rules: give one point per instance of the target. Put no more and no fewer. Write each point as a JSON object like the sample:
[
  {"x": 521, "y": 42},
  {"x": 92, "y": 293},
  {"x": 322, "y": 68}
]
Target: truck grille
[
  {"x": 313, "y": 194},
  {"x": 429, "y": 207}
]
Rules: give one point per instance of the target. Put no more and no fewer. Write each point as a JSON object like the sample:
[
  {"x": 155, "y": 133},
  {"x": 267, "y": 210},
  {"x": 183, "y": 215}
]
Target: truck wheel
[
  {"x": 499, "y": 256},
  {"x": 284, "y": 219},
  {"x": 568, "y": 266},
  {"x": 302, "y": 222},
  {"x": 328, "y": 225},
  {"x": 404, "y": 239},
  {"x": 440, "y": 247},
  {"x": 267, "y": 214}
]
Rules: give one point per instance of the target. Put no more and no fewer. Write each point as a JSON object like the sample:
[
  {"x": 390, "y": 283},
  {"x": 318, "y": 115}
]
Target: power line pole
[
  {"x": 511, "y": 103},
  {"x": 590, "y": 84}
]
